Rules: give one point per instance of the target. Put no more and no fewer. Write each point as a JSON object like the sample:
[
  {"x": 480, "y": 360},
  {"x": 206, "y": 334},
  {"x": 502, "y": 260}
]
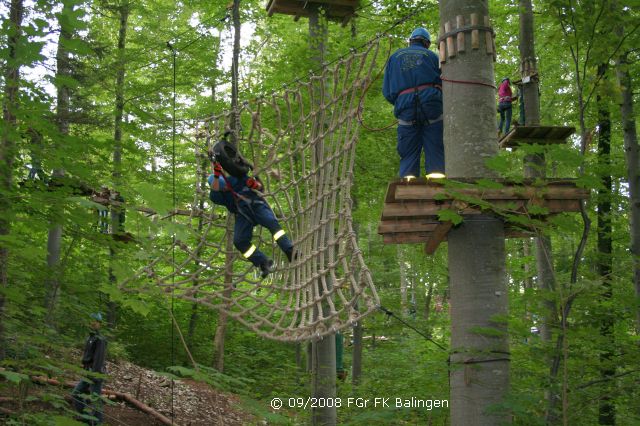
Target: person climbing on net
[{"x": 241, "y": 195}]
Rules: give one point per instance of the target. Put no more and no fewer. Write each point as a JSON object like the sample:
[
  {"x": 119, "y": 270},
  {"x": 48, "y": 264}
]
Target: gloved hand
[
  {"x": 217, "y": 169},
  {"x": 254, "y": 184}
]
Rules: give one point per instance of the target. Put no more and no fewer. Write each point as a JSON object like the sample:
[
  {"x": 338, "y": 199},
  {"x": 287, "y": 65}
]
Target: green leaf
[
  {"x": 65, "y": 421},
  {"x": 83, "y": 202},
  {"x": 155, "y": 197},
  {"x": 488, "y": 183},
  {"x": 447, "y": 215},
  {"x": 13, "y": 376}
]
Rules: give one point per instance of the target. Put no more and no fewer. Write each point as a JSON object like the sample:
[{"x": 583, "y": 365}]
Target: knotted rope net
[{"x": 302, "y": 144}]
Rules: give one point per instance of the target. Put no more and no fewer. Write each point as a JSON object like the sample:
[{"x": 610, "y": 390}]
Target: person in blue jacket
[
  {"x": 240, "y": 195},
  {"x": 412, "y": 84}
]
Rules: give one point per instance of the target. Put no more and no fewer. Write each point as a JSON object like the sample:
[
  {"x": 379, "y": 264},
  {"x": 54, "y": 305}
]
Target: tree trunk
[
  {"x": 8, "y": 150},
  {"x": 54, "y": 239},
  {"x": 221, "y": 329},
  {"x": 323, "y": 350},
  {"x": 632, "y": 156},
  {"x": 607, "y": 415},
  {"x": 535, "y": 167},
  {"x": 403, "y": 281},
  {"x": 117, "y": 226},
  {"x": 479, "y": 296},
  {"x": 427, "y": 304}
]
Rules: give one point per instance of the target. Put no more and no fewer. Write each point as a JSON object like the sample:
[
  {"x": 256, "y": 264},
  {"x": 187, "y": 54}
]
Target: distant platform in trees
[
  {"x": 337, "y": 10},
  {"x": 543, "y": 135}
]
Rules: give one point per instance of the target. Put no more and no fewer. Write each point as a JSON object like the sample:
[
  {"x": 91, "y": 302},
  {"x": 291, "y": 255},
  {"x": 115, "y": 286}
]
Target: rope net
[{"x": 302, "y": 144}]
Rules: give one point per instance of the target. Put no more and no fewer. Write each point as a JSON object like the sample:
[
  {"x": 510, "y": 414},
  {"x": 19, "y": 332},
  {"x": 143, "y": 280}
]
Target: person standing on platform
[{"x": 412, "y": 84}]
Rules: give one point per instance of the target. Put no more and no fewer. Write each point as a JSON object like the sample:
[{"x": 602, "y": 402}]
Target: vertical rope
[{"x": 175, "y": 202}]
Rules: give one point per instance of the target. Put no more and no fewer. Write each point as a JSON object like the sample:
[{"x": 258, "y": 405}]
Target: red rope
[{"x": 477, "y": 83}]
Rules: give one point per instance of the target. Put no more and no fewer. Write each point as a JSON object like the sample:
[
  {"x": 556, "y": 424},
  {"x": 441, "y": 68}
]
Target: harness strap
[
  {"x": 419, "y": 88},
  {"x": 414, "y": 122}
]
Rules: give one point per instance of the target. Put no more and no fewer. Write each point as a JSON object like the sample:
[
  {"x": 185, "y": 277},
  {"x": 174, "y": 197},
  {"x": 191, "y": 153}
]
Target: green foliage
[{"x": 401, "y": 365}]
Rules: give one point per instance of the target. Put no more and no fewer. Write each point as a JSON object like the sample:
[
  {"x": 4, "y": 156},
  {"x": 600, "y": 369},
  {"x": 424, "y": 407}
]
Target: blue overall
[
  {"x": 417, "y": 107},
  {"x": 250, "y": 210}
]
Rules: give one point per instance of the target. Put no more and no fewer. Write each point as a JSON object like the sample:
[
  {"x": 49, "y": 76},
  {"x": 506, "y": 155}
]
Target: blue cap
[
  {"x": 420, "y": 33},
  {"x": 96, "y": 316},
  {"x": 506, "y": 79}
]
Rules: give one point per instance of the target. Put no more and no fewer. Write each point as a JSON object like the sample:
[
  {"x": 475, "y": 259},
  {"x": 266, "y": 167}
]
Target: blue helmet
[
  {"x": 97, "y": 316},
  {"x": 420, "y": 33}
]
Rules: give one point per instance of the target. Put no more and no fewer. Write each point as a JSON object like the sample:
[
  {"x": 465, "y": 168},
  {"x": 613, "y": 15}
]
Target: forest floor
[{"x": 192, "y": 403}]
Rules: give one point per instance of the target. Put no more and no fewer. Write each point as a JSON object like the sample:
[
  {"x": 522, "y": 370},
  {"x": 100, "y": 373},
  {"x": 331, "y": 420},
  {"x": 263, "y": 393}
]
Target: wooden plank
[
  {"x": 460, "y": 39},
  {"x": 451, "y": 50},
  {"x": 405, "y": 238},
  {"x": 334, "y": 9},
  {"x": 407, "y": 225},
  {"x": 488, "y": 36},
  {"x": 423, "y": 192},
  {"x": 437, "y": 236},
  {"x": 543, "y": 135},
  {"x": 475, "y": 34},
  {"x": 391, "y": 192},
  {"x": 427, "y": 210}
]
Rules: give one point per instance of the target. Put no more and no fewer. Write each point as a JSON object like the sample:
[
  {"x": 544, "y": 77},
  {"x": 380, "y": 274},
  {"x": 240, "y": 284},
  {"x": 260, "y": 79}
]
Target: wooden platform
[
  {"x": 410, "y": 213},
  {"x": 543, "y": 135},
  {"x": 338, "y": 10}
]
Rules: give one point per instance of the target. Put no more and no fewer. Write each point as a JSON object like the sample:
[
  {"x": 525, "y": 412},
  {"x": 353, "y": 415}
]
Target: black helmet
[{"x": 230, "y": 159}]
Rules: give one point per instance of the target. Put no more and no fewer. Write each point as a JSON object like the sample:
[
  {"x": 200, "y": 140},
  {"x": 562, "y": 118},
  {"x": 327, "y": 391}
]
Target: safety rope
[
  {"x": 426, "y": 336},
  {"x": 477, "y": 83},
  {"x": 175, "y": 205}
]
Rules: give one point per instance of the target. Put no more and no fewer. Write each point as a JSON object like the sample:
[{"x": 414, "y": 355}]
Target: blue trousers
[
  {"x": 86, "y": 399},
  {"x": 256, "y": 212},
  {"x": 414, "y": 139},
  {"x": 505, "y": 110}
]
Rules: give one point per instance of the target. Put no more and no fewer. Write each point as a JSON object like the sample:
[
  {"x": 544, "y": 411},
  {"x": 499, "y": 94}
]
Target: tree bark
[
  {"x": 632, "y": 156},
  {"x": 8, "y": 151},
  {"x": 221, "y": 329},
  {"x": 54, "y": 239},
  {"x": 535, "y": 167},
  {"x": 403, "y": 281},
  {"x": 479, "y": 296},
  {"x": 117, "y": 226},
  {"x": 323, "y": 350},
  {"x": 606, "y": 409}
]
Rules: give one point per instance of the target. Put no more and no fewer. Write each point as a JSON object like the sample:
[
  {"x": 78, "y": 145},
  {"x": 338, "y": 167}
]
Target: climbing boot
[
  {"x": 291, "y": 255},
  {"x": 266, "y": 268}
]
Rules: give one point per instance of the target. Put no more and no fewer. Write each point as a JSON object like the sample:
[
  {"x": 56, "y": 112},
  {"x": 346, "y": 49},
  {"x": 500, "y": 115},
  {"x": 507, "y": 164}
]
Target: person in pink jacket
[{"x": 505, "y": 97}]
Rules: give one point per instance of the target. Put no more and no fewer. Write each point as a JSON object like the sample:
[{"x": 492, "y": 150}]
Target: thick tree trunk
[
  {"x": 54, "y": 240},
  {"x": 8, "y": 151},
  {"x": 479, "y": 296},
  {"x": 607, "y": 415},
  {"x": 632, "y": 156}
]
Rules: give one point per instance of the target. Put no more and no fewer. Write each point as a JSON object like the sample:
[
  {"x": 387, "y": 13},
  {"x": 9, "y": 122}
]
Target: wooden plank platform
[
  {"x": 410, "y": 213},
  {"x": 543, "y": 135},
  {"x": 340, "y": 10}
]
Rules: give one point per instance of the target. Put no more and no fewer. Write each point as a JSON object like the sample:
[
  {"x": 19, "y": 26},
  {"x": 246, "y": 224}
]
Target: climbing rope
[{"x": 302, "y": 144}]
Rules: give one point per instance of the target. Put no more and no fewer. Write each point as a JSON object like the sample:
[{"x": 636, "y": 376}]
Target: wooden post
[{"x": 460, "y": 24}]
